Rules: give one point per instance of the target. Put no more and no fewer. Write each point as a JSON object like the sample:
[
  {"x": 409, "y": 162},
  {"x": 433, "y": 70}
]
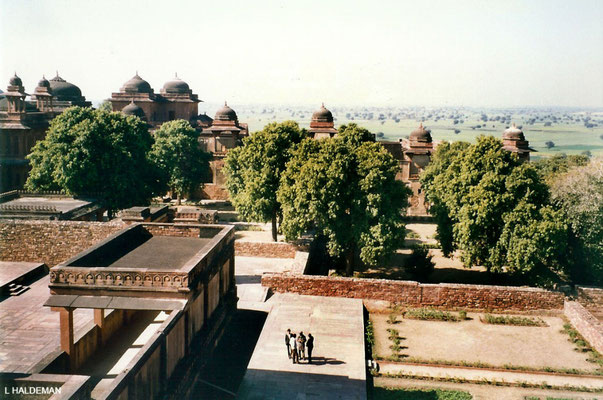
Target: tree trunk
[
  {"x": 179, "y": 198},
  {"x": 349, "y": 261},
  {"x": 274, "y": 232}
]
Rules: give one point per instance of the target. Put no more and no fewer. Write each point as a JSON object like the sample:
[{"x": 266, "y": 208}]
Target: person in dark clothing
[
  {"x": 309, "y": 347},
  {"x": 288, "y": 342}
]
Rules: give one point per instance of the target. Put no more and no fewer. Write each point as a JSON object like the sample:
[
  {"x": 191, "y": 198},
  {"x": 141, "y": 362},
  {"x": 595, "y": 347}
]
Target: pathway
[
  {"x": 486, "y": 392},
  {"x": 479, "y": 374},
  {"x": 338, "y": 370}
]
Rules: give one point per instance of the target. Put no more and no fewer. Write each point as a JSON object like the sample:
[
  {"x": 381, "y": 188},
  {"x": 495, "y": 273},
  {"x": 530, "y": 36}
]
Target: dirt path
[
  {"x": 486, "y": 392},
  {"x": 479, "y": 374}
]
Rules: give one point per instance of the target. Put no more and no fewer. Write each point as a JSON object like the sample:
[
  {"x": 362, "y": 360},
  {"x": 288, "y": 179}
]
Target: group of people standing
[{"x": 297, "y": 346}]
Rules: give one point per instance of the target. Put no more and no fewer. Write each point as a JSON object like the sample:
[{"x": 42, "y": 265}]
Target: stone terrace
[
  {"x": 29, "y": 332},
  {"x": 338, "y": 370}
]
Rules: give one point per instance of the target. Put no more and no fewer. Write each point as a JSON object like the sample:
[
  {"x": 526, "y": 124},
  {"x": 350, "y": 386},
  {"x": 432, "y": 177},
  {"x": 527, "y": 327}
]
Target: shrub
[
  {"x": 370, "y": 335},
  {"x": 392, "y": 319},
  {"x": 512, "y": 320},
  {"x": 462, "y": 315},
  {"x": 429, "y": 314}
]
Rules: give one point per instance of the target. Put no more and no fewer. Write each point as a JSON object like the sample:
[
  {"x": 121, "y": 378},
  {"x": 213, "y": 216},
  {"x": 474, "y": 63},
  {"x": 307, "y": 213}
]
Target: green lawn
[{"x": 385, "y": 393}]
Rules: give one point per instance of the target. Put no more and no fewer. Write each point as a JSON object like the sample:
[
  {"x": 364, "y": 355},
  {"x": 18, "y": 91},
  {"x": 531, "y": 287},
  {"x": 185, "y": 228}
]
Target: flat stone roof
[
  {"x": 63, "y": 205},
  {"x": 149, "y": 259},
  {"x": 161, "y": 252}
]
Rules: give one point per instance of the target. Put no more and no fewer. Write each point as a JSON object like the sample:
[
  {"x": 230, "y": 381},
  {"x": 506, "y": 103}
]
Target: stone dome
[
  {"x": 203, "y": 119},
  {"x": 176, "y": 85},
  {"x": 15, "y": 81},
  {"x": 513, "y": 133},
  {"x": 322, "y": 115},
  {"x": 136, "y": 85},
  {"x": 44, "y": 83},
  {"x": 64, "y": 90},
  {"x": 421, "y": 134},
  {"x": 133, "y": 109},
  {"x": 226, "y": 114}
]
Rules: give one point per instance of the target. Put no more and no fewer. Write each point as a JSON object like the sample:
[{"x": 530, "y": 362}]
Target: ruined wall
[
  {"x": 444, "y": 295},
  {"x": 181, "y": 230},
  {"x": 588, "y": 326},
  {"x": 51, "y": 242},
  {"x": 265, "y": 249},
  {"x": 214, "y": 192},
  {"x": 590, "y": 296}
]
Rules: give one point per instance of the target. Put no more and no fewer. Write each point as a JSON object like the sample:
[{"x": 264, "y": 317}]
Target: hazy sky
[{"x": 398, "y": 53}]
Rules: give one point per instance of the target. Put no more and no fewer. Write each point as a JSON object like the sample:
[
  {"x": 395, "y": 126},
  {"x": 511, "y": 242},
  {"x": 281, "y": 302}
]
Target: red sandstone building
[
  {"x": 225, "y": 133},
  {"x": 177, "y": 101},
  {"x": 23, "y": 122}
]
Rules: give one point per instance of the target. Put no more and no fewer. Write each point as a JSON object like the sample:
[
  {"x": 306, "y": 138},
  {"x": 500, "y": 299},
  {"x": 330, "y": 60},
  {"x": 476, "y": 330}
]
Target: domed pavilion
[
  {"x": 175, "y": 100},
  {"x": 515, "y": 141},
  {"x": 322, "y": 125}
]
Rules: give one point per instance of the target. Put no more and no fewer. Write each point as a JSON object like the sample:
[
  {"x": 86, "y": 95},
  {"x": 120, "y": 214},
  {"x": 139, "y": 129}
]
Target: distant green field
[{"x": 569, "y": 138}]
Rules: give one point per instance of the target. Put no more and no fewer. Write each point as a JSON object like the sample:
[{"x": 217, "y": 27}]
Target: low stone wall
[
  {"x": 265, "y": 249},
  {"x": 590, "y": 296},
  {"x": 51, "y": 242},
  {"x": 182, "y": 230},
  {"x": 588, "y": 326},
  {"x": 416, "y": 294}
]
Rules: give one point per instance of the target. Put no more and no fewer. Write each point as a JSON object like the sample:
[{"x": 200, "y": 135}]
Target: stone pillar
[
  {"x": 67, "y": 337},
  {"x": 99, "y": 320}
]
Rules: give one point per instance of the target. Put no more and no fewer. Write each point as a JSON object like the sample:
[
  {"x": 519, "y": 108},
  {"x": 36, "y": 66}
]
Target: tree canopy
[
  {"x": 178, "y": 158},
  {"x": 94, "y": 151},
  {"x": 495, "y": 209},
  {"x": 579, "y": 194},
  {"x": 345, "y": 189},
  {"x": 253, "y": 171},
  {"x": 550, "y": 167}
]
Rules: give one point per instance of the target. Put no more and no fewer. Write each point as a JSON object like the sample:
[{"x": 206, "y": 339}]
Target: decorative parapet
[
  {"x": 29, "y": 208},
  {"x": 88, "y": 277}
]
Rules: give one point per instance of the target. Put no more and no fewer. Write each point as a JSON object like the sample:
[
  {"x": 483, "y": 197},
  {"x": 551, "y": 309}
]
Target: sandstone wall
[
  {"x": 590, "y": 296},
  {"x": 51, "y": 242},
  {"x": 418, "y": 294},
  {"x": 265, "y": 249},
  {"x": 588, "y": 326}
]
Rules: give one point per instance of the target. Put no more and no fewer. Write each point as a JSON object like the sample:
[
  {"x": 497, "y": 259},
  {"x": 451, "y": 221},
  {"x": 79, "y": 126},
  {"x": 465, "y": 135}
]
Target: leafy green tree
[
  {"x": 179, "y": 159},
  {"x": 579, "y": 194},
  {"x": 93, "y": 151},
  {"x": 550, "y": 167},
  {"x": 495, "y": 209},
  {"x": 253, "y": 171},
  {"x": 345, "y": 189},
  {"x": 106, "y": 106},
  {"x": 441, "y": 160}
]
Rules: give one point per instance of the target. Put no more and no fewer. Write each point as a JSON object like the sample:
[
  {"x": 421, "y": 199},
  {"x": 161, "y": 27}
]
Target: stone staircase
[{"x": 16, "y": 289}]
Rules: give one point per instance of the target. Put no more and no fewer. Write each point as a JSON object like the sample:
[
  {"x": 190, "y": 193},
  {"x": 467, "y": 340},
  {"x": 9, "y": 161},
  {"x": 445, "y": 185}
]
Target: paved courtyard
[
  {"x": 29, "y": 332},
  {"x": 338, "y": 369}
]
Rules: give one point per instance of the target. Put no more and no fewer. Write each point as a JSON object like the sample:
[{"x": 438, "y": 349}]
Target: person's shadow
[{"x": 325, "y": 360}]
